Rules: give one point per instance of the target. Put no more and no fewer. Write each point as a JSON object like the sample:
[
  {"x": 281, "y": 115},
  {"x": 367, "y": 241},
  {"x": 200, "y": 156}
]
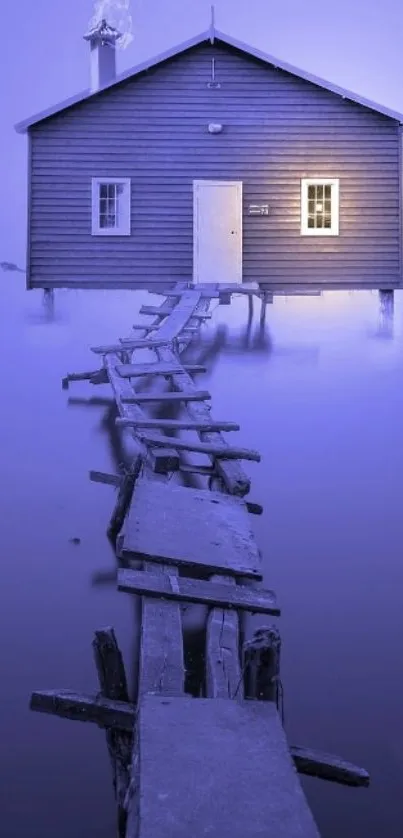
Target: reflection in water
[{"x": 386, "y": 314}]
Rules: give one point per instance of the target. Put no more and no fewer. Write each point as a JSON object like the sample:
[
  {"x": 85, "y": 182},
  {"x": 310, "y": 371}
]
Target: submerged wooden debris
[{"x": 175, "y": 545}]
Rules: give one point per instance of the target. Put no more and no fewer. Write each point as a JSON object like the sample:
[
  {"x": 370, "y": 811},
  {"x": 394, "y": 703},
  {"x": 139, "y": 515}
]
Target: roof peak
[{"x": 212, "y": 35}]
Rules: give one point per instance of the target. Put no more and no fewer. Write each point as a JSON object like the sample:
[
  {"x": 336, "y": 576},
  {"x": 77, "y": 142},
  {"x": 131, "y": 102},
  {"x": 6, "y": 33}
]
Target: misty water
[{"x": 319, "y": 392}]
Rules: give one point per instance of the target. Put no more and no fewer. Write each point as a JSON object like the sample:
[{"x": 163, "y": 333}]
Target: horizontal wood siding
[{"x": 153, "y": 129}]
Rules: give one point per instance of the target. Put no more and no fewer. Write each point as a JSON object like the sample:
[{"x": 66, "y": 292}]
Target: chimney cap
[{"x": 103, "y": 32}]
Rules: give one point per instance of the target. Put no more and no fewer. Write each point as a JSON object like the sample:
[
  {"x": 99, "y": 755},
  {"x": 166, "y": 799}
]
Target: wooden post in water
[
  {"x": 113, "y": 684},
  {"x": 261, "y": 664}
]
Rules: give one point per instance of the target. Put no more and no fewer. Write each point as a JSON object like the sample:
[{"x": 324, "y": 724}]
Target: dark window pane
[
  {"x": 311, "y": 192},
  {"x": 327, "y": 223},
  {"x": 311, "y": 222},
  {"x": 319, "y": 192},
  {"x": 327, "y": 206},
  {"x": 319, "y": 220},
  {"x": 328, "y": 190},
  {"x": 103, "y": 190},
  {"x": 311, "y": 207}
]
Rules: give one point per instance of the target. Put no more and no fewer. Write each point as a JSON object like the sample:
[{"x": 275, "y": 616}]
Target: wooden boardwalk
[{"x": 217, "y": 764}]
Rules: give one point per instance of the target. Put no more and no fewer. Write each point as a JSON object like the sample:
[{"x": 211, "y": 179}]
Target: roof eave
[{"x": 206, "y": 35}]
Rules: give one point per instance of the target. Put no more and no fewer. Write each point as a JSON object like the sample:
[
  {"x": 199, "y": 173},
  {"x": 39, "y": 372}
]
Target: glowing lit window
[
  {"x": 111, "y": 206},
  {"x": 319, "y": 207}
]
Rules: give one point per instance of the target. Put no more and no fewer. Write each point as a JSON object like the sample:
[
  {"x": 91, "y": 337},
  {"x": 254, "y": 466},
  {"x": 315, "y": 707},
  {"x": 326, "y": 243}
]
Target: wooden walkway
[{"x": 218, "y": 764}]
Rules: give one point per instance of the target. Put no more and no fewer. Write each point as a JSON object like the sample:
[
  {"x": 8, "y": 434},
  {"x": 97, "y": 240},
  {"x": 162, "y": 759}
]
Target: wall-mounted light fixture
[{"x": 215, "y": 128}]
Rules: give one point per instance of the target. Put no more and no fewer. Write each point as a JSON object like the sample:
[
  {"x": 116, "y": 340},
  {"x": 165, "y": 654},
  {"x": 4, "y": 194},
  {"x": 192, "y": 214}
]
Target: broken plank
[
  {"x": 177, "y": 424},
  {"x": 84, "y": 708},
  {"x": 128, "y": 345},
  {"x": 328, "y": 767},
  {"x": 143, "y": 398},
  {"x": 235, "y": 479},
  {"x": 136, "y": 370},
  {"x": 162, "y": 667},
  {"x": 84, "y": 376},
  {"x": 223, "y": 667},
  {"x": 179, "y": 525},
  {"x": 211, "y": 449},
  {"x": 113, "y": 684},
  {"x": 217, "y": 592},
  {"x": 165, "y": 311},
  {"x": 107, "y": 479},
  {"x": 125, "y": 493},
  {"x": 164, "y": 460}
]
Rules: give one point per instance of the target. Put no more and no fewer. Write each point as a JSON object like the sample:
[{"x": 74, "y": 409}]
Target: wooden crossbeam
[
  {"x": 127, "y": 344},
  {"x": 329, "y": 767},
  {"x": 144, "y": 398},
  {"x": 145, "y": 327},
  {"x": 136, "y": 370},
  {"x": 177, "y": 424},
  {"x": 165, "y": 311},
  {"x": 214, "y": 450},
  {"x": 235, "y": 479},
  {"x": 210, "y": 593},
  {"x": 82, "y": 707},
  {"x": 95, "y": 377},
  {"x": 120, "y": 715}
]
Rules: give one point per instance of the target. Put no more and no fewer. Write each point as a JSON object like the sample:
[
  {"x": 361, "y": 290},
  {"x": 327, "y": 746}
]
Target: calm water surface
[{"x": 320, "y": 394}]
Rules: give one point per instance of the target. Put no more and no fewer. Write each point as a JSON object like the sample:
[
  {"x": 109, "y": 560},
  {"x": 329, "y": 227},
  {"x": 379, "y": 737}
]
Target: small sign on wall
[{"x": 258, "y": 209}]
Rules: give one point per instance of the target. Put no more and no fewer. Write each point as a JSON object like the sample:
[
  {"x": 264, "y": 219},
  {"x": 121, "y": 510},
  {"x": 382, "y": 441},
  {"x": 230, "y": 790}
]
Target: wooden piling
[{"x": 261, "y": 664}]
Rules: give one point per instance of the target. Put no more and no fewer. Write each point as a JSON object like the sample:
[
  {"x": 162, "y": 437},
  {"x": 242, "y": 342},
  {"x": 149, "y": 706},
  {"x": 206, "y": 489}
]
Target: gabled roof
[{"x": 210, "y": 35}]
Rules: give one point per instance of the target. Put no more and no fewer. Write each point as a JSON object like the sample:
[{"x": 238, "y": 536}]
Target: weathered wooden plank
[
  {"x": 144, "y": 398},
  {"x": 232, "y": 473},
  {"x": 328, "y": 767},
  {"x": 163, "y": 460},
  {"x": 137, "y": 370},
  {"x": 113, "y": 684},
  {"x": 217, "y": 592},
  {"x": 219, "y": 768},
  {"x": 95, "y": 376},
  {"x": 107, "y": 479},
  {"x": 207, "y": 292},
  {"x": 180, "y": 315},
  {"x": 162, "y": 667},
  {"x": 81, "y": 707},
  {"x": 129, "y": 345},
  {"x": 177, "y": 424},
  {"x": 144, "y": 327},
  {"x": 178, "y": 525},
  {"x": 164, "y": 311},
  {"x": 213, "y": 449},
  {"x": 223, "y": 669},
  {"x": 125, "y": 492},
  {"x": 186, "y": 468},
  {"x": 247, "y": 288},
  {"x": 122, "y": 391}
]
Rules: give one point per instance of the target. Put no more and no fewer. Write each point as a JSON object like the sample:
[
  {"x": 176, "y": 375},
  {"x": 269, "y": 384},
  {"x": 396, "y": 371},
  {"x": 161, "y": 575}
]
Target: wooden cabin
[{"x": 213, "y": 163}]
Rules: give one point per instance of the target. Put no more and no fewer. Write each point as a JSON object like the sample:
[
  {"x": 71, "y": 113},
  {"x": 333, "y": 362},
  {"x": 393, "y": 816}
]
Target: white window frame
[
  {"x": 333, "y": 230},
  {"x": 125, "y": 224}
]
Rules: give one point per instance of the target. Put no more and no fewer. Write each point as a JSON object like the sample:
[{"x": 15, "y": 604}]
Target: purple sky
[{"x": 358, "y": 45}]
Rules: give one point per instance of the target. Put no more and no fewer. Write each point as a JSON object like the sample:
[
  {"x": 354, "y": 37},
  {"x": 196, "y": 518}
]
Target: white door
[{"x": 217, "y": 231}]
